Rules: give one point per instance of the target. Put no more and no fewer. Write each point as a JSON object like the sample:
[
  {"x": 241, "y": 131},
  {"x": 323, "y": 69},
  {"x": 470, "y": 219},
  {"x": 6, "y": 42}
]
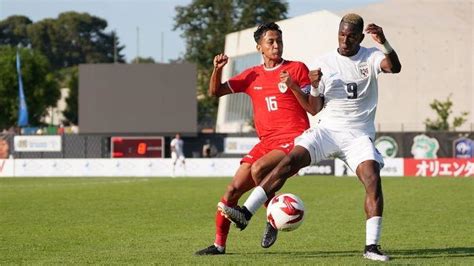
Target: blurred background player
[
  {"x": 177, "y": 152},
  {"x": 206, "y": 149},
  {"x": 279, "y": 92},
  {"x": 346, "y": 125}
]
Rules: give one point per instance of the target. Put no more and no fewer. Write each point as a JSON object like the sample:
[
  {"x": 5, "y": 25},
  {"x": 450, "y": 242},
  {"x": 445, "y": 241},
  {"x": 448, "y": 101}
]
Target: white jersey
[
  {"x": 349, "y": 86},
  {"x": 177, "y": 144}
]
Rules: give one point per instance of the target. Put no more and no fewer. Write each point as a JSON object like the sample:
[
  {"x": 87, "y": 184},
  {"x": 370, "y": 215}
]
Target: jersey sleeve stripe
[{"x": 230, "y": 87}]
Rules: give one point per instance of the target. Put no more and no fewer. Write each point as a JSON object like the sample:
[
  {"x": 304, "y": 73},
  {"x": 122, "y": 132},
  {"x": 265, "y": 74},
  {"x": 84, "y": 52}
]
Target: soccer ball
[{"x": 285, "y": 212}]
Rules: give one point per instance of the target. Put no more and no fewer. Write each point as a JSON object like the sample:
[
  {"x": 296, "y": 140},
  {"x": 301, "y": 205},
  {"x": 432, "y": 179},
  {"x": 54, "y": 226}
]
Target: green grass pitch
[{"x": 164, "y": 221}]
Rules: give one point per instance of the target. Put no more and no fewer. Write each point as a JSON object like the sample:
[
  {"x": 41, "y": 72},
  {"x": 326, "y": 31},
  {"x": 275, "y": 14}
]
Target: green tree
[
  {"x": 75, "y": 38},
  {"x": 205, "y": 24},
  {"x": 72, "y": 111},
  {"x": 41, "y": 89},
  {"x": 443, "y": 110},
  {"x": 255, "y": 12},
  {"x": 13, "y": 31}
]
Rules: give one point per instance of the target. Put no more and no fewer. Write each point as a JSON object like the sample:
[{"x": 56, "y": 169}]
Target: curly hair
[
  {"x": 354, "y": 19},
  {"x": 262, "y": 28}
]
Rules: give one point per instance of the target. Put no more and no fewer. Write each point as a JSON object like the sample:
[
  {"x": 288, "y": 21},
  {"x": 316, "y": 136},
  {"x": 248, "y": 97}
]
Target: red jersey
[{"x": 277, "y": 114}]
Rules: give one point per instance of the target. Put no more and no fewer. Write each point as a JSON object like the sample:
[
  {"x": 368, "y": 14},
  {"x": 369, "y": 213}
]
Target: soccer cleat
[
  {"x": 211, "y": 250},
  {"x": 372, "y": 252},
  {"x": 233, "y": 214},
  {"x": 269, "y": 236}
]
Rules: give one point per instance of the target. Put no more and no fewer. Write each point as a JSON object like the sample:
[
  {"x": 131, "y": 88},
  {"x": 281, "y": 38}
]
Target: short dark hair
[
  {"x": 355, "y": 20},
  {"x": 262, "y": 28}
]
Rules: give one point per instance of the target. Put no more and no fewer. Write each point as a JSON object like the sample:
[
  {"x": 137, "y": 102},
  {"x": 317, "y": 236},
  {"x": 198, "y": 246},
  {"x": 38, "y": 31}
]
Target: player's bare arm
[
  {"x": 216, "y": 88},
  {"x": 391, "y": 63},
  {"x": 302, "y": 98},
  {"x": 316, "y": 101}
]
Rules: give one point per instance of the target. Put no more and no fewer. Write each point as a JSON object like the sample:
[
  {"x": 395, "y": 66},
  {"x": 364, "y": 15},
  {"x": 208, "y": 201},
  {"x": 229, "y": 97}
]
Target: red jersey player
[{"x": 279, "y": 92}]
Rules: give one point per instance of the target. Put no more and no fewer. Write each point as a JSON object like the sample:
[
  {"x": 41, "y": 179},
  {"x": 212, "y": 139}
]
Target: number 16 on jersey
[{"x": 272, "y": 104}]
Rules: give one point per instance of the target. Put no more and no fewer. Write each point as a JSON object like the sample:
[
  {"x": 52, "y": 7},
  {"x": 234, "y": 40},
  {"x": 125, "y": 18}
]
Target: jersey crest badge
[
  {"x": 364, "y": 69},
  {"x": 282, "y": 87}
]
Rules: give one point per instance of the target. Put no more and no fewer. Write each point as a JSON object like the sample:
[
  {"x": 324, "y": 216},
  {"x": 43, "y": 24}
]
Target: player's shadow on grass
[
  {"x": 434, "y": 252},
  {"x": 430, "y": 253},
  {"x": 319, "y": 254}
]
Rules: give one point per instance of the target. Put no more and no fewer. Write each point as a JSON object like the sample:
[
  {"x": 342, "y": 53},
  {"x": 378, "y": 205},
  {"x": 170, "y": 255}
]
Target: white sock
[
  {"x": 220, "y": 248},
  {"x": 256, "y": 199},
  {"x": 373, "y": 228}
]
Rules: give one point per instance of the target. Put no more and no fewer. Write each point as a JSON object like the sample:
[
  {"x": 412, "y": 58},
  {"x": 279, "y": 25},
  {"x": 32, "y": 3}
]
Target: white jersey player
[
  {"x": 177, "y": 152},
  {"x": 344, "y": 90},
  {"x": 349, "y": 87}
]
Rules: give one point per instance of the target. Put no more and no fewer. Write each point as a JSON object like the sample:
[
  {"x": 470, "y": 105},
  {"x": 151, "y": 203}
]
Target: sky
[{"x": 145, "y": 27}]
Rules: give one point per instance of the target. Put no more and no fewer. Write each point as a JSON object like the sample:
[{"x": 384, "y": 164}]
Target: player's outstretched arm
[
  {"x": 391, "y": 63},
  {"x": 216, "y": 88}
]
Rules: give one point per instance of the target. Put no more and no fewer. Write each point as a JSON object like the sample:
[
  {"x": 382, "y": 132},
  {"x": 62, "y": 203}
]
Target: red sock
[{"x": 222, "y": 225}]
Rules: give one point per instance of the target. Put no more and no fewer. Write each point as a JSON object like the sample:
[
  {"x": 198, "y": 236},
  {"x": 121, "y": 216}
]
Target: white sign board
[
  {"x": 239, "y": 145},
  {"x": 37, "y": 143}
]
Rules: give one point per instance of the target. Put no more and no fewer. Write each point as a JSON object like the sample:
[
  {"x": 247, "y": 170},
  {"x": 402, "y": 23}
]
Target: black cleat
[
  {"x": 373, "y": 252},
  {"x": 211, "y": 250},
  {"x": 269, "y": 236},
  {"x": 234, "y": 214}
]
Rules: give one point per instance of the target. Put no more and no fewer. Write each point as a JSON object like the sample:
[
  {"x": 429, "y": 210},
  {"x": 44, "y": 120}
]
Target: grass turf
[{"x": 164, "y": 221}]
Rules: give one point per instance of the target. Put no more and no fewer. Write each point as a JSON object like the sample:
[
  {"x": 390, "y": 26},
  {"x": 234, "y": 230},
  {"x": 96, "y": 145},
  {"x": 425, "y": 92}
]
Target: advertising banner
[
  {"x": 325, "y": 167},
  {"x": 392, "y": 167},
  {"x": 440, "y": 167}
]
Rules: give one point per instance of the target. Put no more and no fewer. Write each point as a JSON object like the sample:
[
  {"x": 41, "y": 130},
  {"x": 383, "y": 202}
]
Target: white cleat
[{"x": 372, "y": 252}]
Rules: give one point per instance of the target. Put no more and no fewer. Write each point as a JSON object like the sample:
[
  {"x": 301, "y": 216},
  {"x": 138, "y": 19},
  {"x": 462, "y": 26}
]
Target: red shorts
[{"x": 266, "y": 146}]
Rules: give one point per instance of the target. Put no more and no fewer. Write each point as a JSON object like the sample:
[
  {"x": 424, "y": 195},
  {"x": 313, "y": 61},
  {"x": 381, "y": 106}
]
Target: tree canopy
[
  {"x": 75, "y": 38},
  {"x": 205, "y": 24},
  {"x": 71, "y": 39},
  {"x": 13, "y": 31}
]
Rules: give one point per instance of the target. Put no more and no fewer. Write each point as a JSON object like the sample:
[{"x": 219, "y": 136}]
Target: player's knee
[{"x": 371, "y": 180}]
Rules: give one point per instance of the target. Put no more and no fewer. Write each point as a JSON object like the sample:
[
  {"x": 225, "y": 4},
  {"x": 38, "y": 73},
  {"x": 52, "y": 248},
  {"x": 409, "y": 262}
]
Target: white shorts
[
  {"x": 351, "y": 146},
  {"x": 175, "y": 157}
]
